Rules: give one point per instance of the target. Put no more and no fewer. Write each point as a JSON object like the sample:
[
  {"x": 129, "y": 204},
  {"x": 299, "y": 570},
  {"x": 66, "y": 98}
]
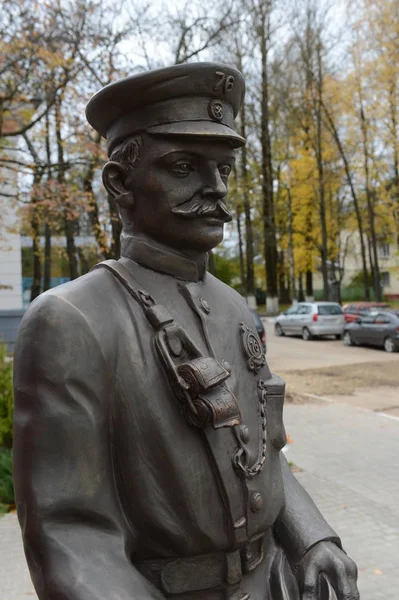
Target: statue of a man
[{"x": 148, "y": 427}]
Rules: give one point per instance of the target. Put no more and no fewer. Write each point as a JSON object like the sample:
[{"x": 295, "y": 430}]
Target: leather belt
[{"x": 216, "y": 570}]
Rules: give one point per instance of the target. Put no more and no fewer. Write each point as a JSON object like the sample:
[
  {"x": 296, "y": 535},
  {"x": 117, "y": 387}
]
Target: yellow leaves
[{"x": 301, "y": 180}]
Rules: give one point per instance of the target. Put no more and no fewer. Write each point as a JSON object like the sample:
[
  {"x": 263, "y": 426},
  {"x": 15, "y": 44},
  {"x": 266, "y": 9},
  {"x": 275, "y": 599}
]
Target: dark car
[
  {"x": 259, "y": 328},
  {"x": 354, "y": 310},
  {"x": 375, "y": 329}
]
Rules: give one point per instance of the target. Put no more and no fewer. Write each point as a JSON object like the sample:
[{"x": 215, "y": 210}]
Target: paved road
[
  {"x": 349, "y": 458},
  {"x": 288, "y": 353}
]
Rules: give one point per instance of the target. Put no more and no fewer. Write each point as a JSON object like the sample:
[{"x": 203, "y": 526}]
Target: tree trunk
[
  {"x": 47, "y": 257},
  {"x": 69, "y": 221},
  {"x": 97, "y": 229},
  {"x": 47, "y": 231},
  {"x": 270, "y": 244},
  {"x": 249, "y": 244},
  {"x": 370, "y": 205},
  {"x": 291, "y": 248},
  {"x": 320, "y": 171},
  {"x": 240, "y": 249},
  {"x": 395, "y": 146},
  {"x": 309, "y": 284},
  {"x": 84, "y": 265},
  {"x": 35, "y": 224},
  {"x": 348, "y": 173},
  {"x": 301, "y": 296},
  {"x": 369, "y": 246},
  {"x": 283, "y": 288}
]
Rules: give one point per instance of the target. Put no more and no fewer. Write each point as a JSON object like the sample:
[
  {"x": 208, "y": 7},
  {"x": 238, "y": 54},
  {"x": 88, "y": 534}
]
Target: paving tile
[{"x": 349, "y": 461}]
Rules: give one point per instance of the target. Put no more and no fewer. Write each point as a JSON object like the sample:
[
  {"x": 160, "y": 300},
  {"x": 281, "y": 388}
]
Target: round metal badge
[
  {"x": 216, "y": 110},
  {"x": 252, "y": 348}
]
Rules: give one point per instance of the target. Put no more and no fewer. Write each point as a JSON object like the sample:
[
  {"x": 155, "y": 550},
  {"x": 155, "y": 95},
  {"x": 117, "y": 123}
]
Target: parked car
[
  {"x": 375, "y": 329},
  {"x": 311, "y": 319},
  {"x": 259, "y": 328},
  {"x": 354, "y": 310}
]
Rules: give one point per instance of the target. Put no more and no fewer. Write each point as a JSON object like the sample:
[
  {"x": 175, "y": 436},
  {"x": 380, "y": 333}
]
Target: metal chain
[{"x": 257, "y": 466}]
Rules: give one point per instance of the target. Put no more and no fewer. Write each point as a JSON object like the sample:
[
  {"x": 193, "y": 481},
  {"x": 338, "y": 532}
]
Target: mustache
[{"x": 198, "y": 207}]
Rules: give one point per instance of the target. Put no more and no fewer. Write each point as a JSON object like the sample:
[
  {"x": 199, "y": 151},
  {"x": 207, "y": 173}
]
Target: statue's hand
[{"x": 326, "y": 569}]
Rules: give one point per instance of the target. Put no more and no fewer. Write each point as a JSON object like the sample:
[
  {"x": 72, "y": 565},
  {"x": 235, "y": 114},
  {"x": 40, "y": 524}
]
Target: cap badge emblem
[{"x": 216, "y": 110}]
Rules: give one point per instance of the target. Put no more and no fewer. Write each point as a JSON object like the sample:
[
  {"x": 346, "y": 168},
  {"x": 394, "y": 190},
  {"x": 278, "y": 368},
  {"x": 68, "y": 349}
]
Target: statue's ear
[{"x": 114, "y": 178}]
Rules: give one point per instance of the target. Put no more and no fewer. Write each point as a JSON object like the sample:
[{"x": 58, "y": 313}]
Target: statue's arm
[
  {"x": 300, "y": 524},
  {"x": 77, "y": 541}
]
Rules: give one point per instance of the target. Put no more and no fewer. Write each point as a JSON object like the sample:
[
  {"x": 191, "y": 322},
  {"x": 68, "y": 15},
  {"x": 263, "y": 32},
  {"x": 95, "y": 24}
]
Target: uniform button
[
  {"x": 244, "y": 434},
  {"x": 226, "y": 365},
  {"x": 205, "y": 306},
  {"x": 256, "y": 502}
]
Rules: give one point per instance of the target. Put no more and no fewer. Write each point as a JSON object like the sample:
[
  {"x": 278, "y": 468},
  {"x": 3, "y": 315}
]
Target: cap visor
[{"x": 207, "y": 129}]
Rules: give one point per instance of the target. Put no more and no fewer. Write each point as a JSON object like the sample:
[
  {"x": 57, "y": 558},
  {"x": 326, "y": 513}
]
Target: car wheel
[
  {"x": 347, "y": 339},
  {"x": 338, "y": 336},
  {"x": 389, "y": 344},
  {"x": 278, "y": 330},
  {"x": 306, "y": 335}
]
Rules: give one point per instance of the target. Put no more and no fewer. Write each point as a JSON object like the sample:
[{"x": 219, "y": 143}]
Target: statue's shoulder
[
  {"x": 83, "y": 302},
  {"x": 226, "y": 293}
]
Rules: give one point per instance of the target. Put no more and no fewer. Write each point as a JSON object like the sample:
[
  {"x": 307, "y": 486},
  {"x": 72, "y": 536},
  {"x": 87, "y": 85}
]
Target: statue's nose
[{"x": 214, "y": 186}]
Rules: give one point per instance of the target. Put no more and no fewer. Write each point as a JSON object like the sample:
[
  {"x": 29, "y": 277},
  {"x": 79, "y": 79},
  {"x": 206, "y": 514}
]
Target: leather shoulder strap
[{"x": 125, "y": 277}]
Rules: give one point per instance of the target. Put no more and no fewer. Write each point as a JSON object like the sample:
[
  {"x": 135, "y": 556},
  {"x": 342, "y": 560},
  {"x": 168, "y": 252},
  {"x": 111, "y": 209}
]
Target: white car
[{"x": 311, "y": 319}]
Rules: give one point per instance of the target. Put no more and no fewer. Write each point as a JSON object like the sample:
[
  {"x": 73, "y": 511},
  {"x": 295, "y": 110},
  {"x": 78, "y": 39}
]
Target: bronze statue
[{"x": 148, "y": 427}]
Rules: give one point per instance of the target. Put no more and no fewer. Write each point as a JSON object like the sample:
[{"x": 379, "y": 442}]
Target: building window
[
  {"x": 385, "y": 250},
  {"x": 385, "y": 278}
]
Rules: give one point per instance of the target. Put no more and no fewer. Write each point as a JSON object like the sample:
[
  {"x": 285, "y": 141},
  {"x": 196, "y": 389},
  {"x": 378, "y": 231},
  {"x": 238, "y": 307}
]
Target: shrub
[
  {"x": 6, "y": 399},
  {"x": 6, "y": 485}
]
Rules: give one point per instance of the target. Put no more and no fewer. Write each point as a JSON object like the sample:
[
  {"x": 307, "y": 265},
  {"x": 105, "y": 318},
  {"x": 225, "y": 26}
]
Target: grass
[{"x": 261, "y": 308}]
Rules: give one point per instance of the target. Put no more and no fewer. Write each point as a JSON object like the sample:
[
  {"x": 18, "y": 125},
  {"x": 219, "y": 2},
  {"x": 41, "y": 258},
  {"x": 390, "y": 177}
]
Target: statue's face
[{"x": 179, "y": 189}]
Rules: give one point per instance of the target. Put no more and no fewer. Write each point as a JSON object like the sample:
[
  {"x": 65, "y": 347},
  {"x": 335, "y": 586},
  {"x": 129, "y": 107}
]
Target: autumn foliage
[{"x": 321, "y": 168}]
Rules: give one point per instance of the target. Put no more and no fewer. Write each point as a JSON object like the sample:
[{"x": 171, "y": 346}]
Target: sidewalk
[
  {"x": 15, "y": 582},
  {"x": 349, "y": 461}
]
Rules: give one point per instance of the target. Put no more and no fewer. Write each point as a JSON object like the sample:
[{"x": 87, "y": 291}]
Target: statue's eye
[
  {"x": 183, "y": 168},
  {"x": 224, "y": 171}
]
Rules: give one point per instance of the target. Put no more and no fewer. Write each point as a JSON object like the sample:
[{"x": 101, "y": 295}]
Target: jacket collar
[{"x": 163, "y": 259}]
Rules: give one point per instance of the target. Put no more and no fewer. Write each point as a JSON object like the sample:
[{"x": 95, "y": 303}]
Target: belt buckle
[
  {"x": 233, "y": 577},
  {"x": 253, "y": 553}
]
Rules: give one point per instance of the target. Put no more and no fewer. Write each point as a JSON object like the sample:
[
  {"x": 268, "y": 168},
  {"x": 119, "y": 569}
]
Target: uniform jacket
[{"x": 108, "y": 472}]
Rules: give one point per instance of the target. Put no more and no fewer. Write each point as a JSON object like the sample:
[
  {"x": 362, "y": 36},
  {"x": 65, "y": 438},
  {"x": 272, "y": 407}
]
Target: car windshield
[{"x": 329, "y": 309}]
